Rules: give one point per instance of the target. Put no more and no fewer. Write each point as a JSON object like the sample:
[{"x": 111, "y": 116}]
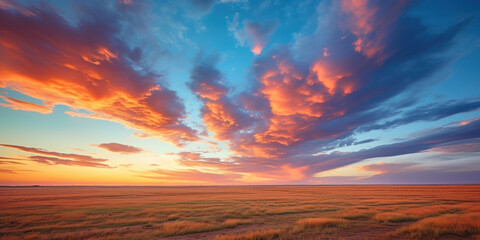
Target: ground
[{"x": 241, "y": 212}]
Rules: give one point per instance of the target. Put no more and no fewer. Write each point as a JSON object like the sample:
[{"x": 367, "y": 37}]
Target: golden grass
[
  {"x": 357, "y": 214},
  {"x": 235, "y": 222},
  {"x": 173, "y": 216},
  {"x": 428, "y": 211},
  {"x": 152, "y": 212},
  {"x": 450, "y": 224},
  {"x": 265, "y": 234},
  {"x": 185, "y": 227},
  {"x": 321, "y": 222},
  {"x": 318, "y": 223}
]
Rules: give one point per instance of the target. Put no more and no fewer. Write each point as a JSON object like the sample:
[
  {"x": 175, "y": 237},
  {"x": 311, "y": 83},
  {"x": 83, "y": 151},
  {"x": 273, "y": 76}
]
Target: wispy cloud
[
  {"x": 68, "y": 162},
  {"x": 55, "y": 158},
  {"x": 119, "y": 148},
  {"x": 255, "y": 33},
  {"x": 17, "y": 104}
]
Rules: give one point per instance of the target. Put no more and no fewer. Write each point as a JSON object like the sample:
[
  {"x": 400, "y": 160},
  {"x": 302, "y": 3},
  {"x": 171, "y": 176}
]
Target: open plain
[{"x": 242, "y": 212}]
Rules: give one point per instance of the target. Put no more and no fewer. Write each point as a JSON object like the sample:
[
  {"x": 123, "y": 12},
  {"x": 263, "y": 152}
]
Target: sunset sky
[{"x": 239, "y": 92}]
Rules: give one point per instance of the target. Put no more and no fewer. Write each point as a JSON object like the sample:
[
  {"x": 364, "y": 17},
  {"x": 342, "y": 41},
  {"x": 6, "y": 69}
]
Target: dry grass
[
  {"x": 318, "y": 224},
  {"x": 152, "y": 212},
  {"x": 451, "y": 224},
  {"x": 173, "y": 216},
  {"x": 235, "y": 222},
  {"x": 185, "y": 227},
  {"x": 429, "y": 211},
  {"x": 358, "y": 214},
  {"x": 265, "y": 234}
]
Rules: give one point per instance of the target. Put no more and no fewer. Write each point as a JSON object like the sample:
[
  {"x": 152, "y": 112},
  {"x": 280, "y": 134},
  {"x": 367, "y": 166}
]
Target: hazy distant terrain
[{"x": 250, "y": 212}]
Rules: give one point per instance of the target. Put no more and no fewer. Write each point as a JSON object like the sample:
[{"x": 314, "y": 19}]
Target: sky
[{"x": 239, "y": 92}]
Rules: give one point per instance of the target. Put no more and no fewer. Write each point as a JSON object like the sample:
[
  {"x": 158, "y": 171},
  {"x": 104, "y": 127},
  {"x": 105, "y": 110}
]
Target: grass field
[{"x": 250, "y": 212}]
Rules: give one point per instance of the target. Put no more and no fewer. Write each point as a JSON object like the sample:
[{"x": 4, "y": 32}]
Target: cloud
[
  {"x": 370, "y": 24},
  {"x": 206, "y": 79},
  {"x": 125, "y": 165},
  {"x": 9, "y": 171},
  {"x": 88, "y": 67},
  {"x": 119, "y": 148},
  {"x": 255, "y": 33},
  {"x": 17, "y": 104},
  {"x": 220, "y": 115},
  {"x": 203, "y": 6},
  {"x": 436, "y": 139},
  {"x": 381, "y": 167},
  {"x": 409, "y": 173},
  {"x": 78, "y": 157},
  {"x": 431, "y": 112},
  {"x": 303, "y": 102},
  {"x": 466, "y": 146},
  {"x": 7, "y": 160},
  {"x": 67, "y": 162},
  {"x": 194, "y": 177},
  {"x": 354, "y": 73},
  {"x": 194, "y": 159},
  {"x": 57, "y": 158}
]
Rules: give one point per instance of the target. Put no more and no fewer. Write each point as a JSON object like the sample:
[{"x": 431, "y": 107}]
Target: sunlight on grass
[
  {"x": 184, "y": 227},
  {"x": 265, "y": 234},
  {"x": 307, "y": 223},
  {"x": 235, "y": 222},
  {"x": 302, "y": 212},
  {"x": 449, "y": 224}
]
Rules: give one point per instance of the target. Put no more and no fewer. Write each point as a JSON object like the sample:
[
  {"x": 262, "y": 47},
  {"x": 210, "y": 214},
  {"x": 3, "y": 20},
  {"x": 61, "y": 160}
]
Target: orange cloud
[
  {"x": 219, "y": 118},
  {"x": 85, "y": 73},
  {"x": 17, "y": 104},
  {"x": 257, "y": 49},
  {"x": 120, "y": 148},
  {"x": 7, "y": 160},
  {"x": 220, "y": 115},
  {"x": 370, "y": 25},
  {"x": 298, "y": 99},
  {"x": 258, "y": 33},
  {"x": 68, "y": 162},
  {"x": 70, "y": 156},
  {"x": 206, "y": 79},
  {"x": 9, "y": 171}
]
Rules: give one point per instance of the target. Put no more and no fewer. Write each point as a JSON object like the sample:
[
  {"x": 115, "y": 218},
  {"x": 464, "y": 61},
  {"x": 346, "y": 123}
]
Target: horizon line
[{"x": 251, "y": 185}]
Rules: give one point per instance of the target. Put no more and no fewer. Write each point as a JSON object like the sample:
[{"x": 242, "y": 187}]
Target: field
[{"x": 250, "y": 212}]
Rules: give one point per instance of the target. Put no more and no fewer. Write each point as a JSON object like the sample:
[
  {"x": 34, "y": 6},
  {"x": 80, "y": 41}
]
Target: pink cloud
[
  {"x": 370, "y": 25},
  {"x": 78, "y": 157},
  {"x": 255, "y": 33},
  {"x": 68, "y": 162},
  {"x": 120, "y": 148},
  {"x": 57, "y": 158}
]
